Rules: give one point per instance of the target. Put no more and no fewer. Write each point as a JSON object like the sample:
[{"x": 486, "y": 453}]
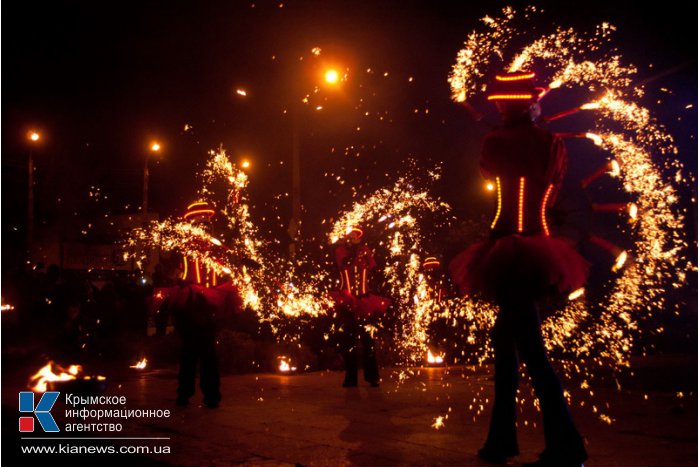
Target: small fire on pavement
[
  {"x": 140, "y": 365},
  {"x": 435, "y": 359},
  {"x": 285, "y": 365},
  {"x": 53, "y": 373}
]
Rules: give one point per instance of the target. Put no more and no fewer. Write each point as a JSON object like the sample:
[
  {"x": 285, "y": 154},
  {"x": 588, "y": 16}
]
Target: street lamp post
[
  {"x": 33, "y": 138},
  {"x": 155, "y": 147},
  {"x": 332, "y": 78}
]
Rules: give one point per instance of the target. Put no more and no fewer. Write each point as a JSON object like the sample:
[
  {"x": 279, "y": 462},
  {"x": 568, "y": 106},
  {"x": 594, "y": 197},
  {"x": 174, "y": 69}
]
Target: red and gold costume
[
  {"x": 526, "y": 165},
  {"x": 354, "y": 302},
  {"x": 435, "y": 289},
  {"x": 354, "y": 265},
  {"x": 198, "y": 277},
  {"x": 521, "y": 263}
]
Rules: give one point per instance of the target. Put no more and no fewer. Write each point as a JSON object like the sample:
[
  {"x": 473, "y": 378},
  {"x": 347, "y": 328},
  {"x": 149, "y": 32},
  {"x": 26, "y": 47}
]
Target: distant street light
[
  {"x": 332, "y": 76},
  {"x": 155, "y": 147},
  {"x": 245, "y": 164},
  {"x": 33, "y": 137}
]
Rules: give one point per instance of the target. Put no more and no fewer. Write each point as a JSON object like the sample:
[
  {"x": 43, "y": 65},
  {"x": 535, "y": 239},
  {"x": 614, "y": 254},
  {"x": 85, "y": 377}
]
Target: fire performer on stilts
[
  {"x": 518, "y": 266},
  {"x": 198, "y": 300},
  {"x": 355, "y": 305}
]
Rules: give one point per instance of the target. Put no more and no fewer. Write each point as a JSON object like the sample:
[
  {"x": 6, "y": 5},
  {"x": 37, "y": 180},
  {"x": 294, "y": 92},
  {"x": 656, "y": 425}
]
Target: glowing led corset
[
  {"x": 194, "y": 271},
  {"x": 521, "y": 202},
  {"x": 354, "y": 280}
]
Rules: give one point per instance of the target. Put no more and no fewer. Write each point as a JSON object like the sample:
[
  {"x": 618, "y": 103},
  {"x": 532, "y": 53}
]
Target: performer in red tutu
[
  {"x": 354, "y": 305},
  {"x": 521, "y": 263},
  {"x": 196, "y": 302},
  {"x": 435, "y": 288}
]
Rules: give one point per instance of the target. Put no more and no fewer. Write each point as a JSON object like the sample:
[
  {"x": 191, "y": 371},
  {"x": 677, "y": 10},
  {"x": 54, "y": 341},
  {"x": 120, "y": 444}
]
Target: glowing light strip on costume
[
  {"x": 189, "y": 214},
  {"x": 213, "y": 278},
  {"x": 521, "y": 202},
  {"x": 499, "y": 202},
  {"x": 364, "y": 279},
  {"x": 184, "y": 272},
  {"x": 196, "y": 269},
  {"x": 354, "y": 276},
  {"x": 515, "y": 77},
  {"x": 347, "y": 280},
  {"x": 197, "y": 203},
  {"x": 493, "y": 97},
  {"x": 543, "y": 209},
  {"x": 357, "y": 230}
]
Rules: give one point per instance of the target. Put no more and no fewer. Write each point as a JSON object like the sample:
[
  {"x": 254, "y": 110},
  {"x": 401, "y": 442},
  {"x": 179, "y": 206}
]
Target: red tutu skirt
[
  {"x": 364, "y": 306},
  {"x": 536, "y": 265},
  {"x": 225, "y": 298}
]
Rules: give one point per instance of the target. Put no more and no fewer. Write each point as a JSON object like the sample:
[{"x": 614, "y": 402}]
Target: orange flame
[
  {"x": 285, "y": 366},
  {"x": 140, "y": 365},
  {"x": 435, "y": 359},
  {"x": 39, "y": 381}
]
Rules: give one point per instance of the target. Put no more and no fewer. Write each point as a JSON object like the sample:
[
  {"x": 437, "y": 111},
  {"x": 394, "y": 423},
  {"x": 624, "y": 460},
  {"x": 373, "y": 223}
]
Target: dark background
[{"x": 100, "y": 80}]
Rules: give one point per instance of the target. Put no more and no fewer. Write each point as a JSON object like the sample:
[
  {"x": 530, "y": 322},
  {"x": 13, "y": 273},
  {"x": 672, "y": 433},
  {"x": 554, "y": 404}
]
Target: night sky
[{"x": 100, "y": 80}]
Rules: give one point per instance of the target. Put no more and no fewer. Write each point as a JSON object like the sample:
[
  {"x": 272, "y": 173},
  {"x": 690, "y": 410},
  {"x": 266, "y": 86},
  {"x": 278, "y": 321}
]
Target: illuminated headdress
[
  {"x": 354, "y": 230},
  {"x": 431, "y": 262},
  {"x": 199, "y": 211},
  {"x": 518, "y": 86}
]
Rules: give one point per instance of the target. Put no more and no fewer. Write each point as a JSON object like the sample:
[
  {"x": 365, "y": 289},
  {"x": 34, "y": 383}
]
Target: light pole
[
  {"x": 33, "y": 139},
  {"x": 331, "y": 78},
  {"x": 155, "y": 147}
]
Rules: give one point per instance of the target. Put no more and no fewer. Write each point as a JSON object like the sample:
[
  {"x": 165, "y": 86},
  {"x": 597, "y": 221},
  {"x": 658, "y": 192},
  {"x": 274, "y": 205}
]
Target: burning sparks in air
[
  {"x": 390, "y": 217},
  {"x": 266, "y": 282},
  {"x": 597, "y": 140},
  {"x": 620, "y": 261},
  {"x": 577, "y": 293},
  {"x": 439, "y": 422}
]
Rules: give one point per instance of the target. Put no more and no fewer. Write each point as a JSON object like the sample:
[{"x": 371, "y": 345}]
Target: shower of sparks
[
  {"x": 267, "y": 283},
  {"x": 390, "y": 218},
  {"x": 439, "y": 422},
  {"x": 603, "y": 331}
]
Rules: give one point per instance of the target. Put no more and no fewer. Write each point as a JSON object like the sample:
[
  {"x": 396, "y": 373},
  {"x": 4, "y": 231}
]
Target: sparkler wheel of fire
[{"x": 639, "y": 154}]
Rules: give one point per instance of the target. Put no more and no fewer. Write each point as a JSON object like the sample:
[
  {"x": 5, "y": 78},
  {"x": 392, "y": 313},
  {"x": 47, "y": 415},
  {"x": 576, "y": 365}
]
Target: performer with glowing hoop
[
  {"x": 521, "y": 264},
  {"x": 354, "y": 305},
  {"x": 201, "y": 296}
]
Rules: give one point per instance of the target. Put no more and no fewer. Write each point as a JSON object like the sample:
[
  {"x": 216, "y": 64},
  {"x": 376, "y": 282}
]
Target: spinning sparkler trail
[
  {"x": 601, "y": 334},
  {"x": 266, "y": 283}
]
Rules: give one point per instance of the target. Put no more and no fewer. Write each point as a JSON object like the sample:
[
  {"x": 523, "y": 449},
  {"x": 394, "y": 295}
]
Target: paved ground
[{"x": 310, "y": 420}]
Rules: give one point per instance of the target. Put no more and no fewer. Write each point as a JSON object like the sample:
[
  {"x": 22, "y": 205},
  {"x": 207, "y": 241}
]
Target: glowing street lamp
[
  {"x": 332, "y": 76},
  {"x": 245, "y": 164},
  {"x": 155, "y": 148}
]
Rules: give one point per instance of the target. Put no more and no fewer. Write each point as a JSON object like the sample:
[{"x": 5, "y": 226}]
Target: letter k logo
[{"x": 42, "y": 411}]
